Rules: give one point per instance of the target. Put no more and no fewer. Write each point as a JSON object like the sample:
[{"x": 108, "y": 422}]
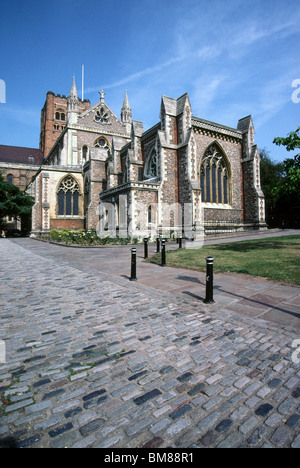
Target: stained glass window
[
  {"x": 68, "y": 197},
  {"x": 214, "y": 179}
]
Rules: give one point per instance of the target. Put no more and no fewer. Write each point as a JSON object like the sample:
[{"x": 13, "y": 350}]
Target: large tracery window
[
  {"x": 214, "y": 177},
  {"x": 68, "y": 197}
]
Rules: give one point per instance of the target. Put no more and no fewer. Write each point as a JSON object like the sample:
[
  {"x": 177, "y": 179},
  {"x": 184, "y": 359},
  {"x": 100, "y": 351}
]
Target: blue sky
[{"x": 234, "y": 58}]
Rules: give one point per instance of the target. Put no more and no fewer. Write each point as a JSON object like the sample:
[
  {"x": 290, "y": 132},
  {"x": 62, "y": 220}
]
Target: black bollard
[
  {"x": 180, "y": 242},
  {"x": 157, "y": 245},
  {"x": 133, "y": 264},
  {"x": 145, "y": 247},
  {"x": 163, "y": 252},
  {"x": 209, "y": 281}
]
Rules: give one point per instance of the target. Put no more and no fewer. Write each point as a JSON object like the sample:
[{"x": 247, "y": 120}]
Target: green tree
[
  {"x": 290, "y": 180},
  {"x": 287, "y": 190},
  {"x": 271, "y": 173},
  {"x": 13, "y": 202}
]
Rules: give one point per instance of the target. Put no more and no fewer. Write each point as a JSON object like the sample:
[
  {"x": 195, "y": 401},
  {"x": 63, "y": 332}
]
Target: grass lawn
[{"x": 276, "y": 258}]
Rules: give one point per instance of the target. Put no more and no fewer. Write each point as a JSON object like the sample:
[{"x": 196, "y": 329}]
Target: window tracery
[
  {"x": 101, "y": 143},
  {"x": 68, "y": 197},
  {"x": 102, "y": 116},
  {"x": 214, "y": 177},
  {"x": 151, "y": 169}
]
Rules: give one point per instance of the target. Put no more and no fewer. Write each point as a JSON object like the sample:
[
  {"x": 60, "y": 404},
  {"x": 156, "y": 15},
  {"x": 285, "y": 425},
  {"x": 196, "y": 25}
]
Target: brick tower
[{"x": 53, "y": 119}]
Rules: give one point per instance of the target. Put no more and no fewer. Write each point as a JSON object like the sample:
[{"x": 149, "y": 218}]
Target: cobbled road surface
[{"x": 98, "y": 362}]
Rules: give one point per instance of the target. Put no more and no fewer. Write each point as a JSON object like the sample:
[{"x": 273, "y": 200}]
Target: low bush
[{"x": 82, "y": 237}]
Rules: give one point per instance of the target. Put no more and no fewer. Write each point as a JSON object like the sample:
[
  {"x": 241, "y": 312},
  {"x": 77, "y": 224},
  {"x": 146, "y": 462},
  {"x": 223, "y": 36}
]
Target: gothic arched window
[
  {"x": 68, "y": 197},
  {"x": 214, "y": 177},
  {"x": 151, "y": 169}
]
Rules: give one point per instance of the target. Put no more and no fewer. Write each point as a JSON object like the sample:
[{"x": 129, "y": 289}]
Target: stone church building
[{"x": 184, "y": 174}]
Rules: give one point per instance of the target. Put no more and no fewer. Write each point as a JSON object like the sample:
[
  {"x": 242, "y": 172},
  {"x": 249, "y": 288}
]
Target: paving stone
[
  {"x": 209, "y": 439},
  {"x": 257, "y": 437},
  {"x": 25, "y": 443},
  {"x": 287, "y": 406},
  {"x": 264, "y": 409},
  {"x": 296, "y": 442},
  {"x": 280, "y": 436},
  {"x": 60, "y": 430},
  {"x": 46, "y": 423},
  {"x": 224, "y": 425},
  {"x": 19, "y": 405},
  {"x": 147, "y": 396},
  {"x": 92, "y": 426},
  {"x": 180, "y": 411},
  {"x": 293, "y": 420},
  {"x": 209, "y": 421},
  {"x": 160, "y": 425},
  {"x": 138, "y": 426},
  {"x": 249, "y": 425},
  {"x": 156, "y": 442},
  {"x": 177, "y": 427}
]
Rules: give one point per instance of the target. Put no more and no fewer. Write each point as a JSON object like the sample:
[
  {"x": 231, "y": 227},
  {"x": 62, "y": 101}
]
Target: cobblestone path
[{"x": 96, "y": 362}]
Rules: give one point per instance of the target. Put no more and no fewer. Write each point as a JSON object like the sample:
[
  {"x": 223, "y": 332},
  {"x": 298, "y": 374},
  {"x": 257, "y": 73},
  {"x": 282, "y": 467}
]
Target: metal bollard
[
  {"x": 209, "y": 281},
  {"x": 180, "y": 242},
  {"x": 133, "y": 265},
  {"x": 157, "y": 245},
  {"x": 146, "y": 247},
  {"x": 163, "y": 252}
]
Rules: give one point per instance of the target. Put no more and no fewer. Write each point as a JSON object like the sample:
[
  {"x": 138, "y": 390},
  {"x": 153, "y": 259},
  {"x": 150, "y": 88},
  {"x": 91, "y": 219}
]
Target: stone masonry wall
[{"x": 251, "y": 208}]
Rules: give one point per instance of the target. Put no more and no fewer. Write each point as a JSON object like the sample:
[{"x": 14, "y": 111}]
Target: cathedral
[{"x": 184, "y": 176}]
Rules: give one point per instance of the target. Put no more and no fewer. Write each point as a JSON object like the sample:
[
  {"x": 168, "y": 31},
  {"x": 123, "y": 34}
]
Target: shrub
[{"x": 82, "y": 237}]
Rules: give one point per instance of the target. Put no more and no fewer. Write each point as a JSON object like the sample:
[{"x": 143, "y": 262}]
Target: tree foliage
[
  {"x": 13, "y": 202},
  {"x": 289, "y": 183},
  {"x": 281, "y": 184}
]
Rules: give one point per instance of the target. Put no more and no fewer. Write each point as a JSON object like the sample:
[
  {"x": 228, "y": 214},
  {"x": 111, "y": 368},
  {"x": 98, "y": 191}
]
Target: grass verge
[{"x": 276, "y": 258}]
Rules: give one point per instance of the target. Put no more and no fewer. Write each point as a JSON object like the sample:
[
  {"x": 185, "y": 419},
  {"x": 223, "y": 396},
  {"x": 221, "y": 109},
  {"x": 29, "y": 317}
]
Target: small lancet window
[{"x": 85, "y": 154}]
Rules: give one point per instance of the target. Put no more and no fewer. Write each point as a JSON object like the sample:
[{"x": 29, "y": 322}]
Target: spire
[
  {"x": 126, "y": 102},
  {"x": 126, "y": 111},
  {"x": 73, "y": 92},
  {"x": 73, "y": 104}
]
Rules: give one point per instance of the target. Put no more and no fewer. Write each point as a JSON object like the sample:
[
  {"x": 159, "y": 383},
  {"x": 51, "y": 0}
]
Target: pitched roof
[
  {"x": 174, "y": 106},
  {"x": 20, "y": 155}
]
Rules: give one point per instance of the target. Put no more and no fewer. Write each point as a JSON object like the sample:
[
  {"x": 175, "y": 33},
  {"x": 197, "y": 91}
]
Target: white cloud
[
  {"x": 206, "y": 91},
  {"x": 225, "y": 59},
  {"x": 140, "y": 74},
  {"x": 24, "y": 116},
  {"x": 273, "y": 97},
  {"x": 255, "y": 32}
]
